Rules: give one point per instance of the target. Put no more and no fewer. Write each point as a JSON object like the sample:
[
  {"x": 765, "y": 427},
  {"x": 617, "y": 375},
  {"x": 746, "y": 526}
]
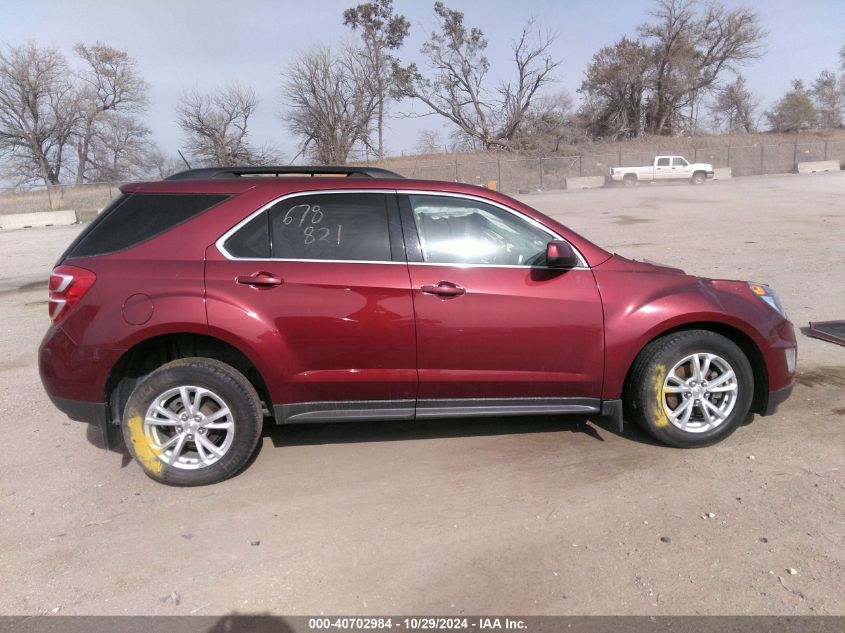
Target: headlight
[{"x": 768, "y": 295}]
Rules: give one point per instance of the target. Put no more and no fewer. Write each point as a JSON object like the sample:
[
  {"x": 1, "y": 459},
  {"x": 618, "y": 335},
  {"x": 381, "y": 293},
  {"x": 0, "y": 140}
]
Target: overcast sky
[{"x": 181, "y": 44}]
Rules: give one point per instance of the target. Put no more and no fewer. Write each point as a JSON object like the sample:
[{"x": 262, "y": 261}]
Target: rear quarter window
[{"x": 136, "y": 217}]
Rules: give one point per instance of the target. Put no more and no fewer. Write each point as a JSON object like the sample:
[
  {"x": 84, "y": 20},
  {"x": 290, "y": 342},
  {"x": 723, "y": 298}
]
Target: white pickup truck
[{"x": 664, "y": 168}]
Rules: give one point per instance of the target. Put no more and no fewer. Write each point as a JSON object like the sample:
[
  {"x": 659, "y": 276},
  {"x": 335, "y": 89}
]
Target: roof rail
[{"x": 292, "y": 170}]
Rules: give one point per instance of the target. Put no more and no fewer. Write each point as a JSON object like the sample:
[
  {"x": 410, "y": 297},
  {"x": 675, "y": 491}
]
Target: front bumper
[
  {"x": 776, "y": 397},
  {"x": 710, "y": 174}
]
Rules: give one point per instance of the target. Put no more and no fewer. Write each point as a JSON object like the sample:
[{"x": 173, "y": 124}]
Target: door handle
[
  {"x": 443, "y": 289},
  {"x": 260, "y": 279}
]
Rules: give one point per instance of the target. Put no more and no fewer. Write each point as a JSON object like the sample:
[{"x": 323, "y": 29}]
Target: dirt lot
[{"x": 528, "y": 516}]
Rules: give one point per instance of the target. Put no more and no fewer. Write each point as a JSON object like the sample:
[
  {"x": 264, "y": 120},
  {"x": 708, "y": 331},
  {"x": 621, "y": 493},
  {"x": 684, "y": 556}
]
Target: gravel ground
[{"x": 525, "y": 515}]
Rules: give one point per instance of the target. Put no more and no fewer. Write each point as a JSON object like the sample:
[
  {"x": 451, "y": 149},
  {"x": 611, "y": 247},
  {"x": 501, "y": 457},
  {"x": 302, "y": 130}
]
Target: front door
[
  {"x": 495, "y": 327},
  {"x": 681, "y": 168},
  {"x": 318, "y": 289}
]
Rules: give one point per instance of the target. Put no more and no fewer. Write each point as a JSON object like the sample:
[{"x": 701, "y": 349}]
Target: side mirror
[{"x": 560, "y": 254}]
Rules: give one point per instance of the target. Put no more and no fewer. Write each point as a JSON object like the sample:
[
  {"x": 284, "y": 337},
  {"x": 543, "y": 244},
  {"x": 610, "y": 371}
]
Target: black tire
[
  {"x": 698, "y": 178},
  {"x": 648, "y": 403},
  {"x": 630, "y": 180},
  {"x": 227, "y": 385}
]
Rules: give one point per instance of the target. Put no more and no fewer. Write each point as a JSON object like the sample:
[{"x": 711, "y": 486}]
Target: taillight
[{"x": 67, "y": 286}]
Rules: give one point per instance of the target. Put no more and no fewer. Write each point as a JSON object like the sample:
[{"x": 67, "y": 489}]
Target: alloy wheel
[
  {"x": 189, "y": 427},
  {"x": 699, "y": 392}
]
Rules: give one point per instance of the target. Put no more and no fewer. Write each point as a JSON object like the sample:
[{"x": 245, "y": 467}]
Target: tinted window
[
  {"x": 343, "y": 226},
  {"x": 251, "y": 241},
  {"x": 679, "y": 162},
  {"x": 137, "y": 217},
  {"x": 662, "y": 162},
  {"x": 462, "y": 231}
]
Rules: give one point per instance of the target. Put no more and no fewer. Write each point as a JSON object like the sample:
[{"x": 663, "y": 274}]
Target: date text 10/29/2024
[{"x": 417, "y": 623}]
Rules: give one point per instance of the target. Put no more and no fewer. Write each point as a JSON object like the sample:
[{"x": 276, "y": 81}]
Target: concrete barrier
[
  {"x": 818, "y": 165},
  {"x": 585, "y": 182},
  {"x": 722, "y": 173},
  {"x": 42, "y": 218}
]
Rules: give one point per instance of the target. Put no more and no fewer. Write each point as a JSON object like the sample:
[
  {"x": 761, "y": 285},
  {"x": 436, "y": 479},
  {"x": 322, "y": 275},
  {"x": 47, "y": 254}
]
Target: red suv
[{"x": 195, "y": 309}]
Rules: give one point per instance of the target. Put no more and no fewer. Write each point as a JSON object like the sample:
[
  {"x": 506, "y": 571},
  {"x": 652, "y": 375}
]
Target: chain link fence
[
  {"x": 86, "y": 200},
  {"x": 495, "y": 170},
  {"x": 513, "y": 175}
]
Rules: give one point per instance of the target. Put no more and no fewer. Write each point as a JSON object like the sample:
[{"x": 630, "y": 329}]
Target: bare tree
[
  {"x": 534, "y": 68},
  {"x": 329, "y": 103},
  {"x": 615, "y": 88},
  {"x": 549, "y": 124},
  {"x": 120, "y": 150},
  {"x": 216, "y": 127},
  {"x": 381, "y": 31},
  {"x": 794, "y": 111},
  {"x": 38, "y": 111},
  {"x": 460, "y": 89},
  {"x": 162, "y": 165},
  {"x": 109, "y": 82},
  {"x": 655, "y": 84},
  {"x": 733, "y": 107},
  {"x": 460, "y": 141},
  {"x": 691, "y": 51},
  {"x": 428, "y": 142},
  {"x": 828, "y": 93}
]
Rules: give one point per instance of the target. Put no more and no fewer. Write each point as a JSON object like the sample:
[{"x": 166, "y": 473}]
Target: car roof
[
  {"x": 284, "y": 170},
  {"x": 290, "y": 184}
]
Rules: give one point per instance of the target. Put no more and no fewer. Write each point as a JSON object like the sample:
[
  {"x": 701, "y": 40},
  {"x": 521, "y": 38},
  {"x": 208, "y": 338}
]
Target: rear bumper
[
  {"x": 81, "y": 411},
  {"x": 72, "y": 371},
  {"x": 776, "y": 397}
]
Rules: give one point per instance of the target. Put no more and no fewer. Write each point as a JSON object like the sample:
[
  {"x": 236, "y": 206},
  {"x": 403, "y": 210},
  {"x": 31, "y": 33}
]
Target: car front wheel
[
  {"x": 691, "y": 388},
  {"x": 193, "y": 421}
]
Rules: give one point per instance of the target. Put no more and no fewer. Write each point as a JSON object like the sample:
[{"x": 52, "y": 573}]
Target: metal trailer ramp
[{"x": 832, "y": 331}]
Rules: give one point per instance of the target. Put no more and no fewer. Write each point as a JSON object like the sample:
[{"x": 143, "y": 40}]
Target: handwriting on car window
[{"x": 310, "y": 218}]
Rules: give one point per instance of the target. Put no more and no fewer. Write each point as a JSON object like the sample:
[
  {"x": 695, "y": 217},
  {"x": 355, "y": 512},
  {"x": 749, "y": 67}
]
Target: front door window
[{"x": 464, "y": 231}]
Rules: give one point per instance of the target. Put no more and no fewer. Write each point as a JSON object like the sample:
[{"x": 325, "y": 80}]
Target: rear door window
[
  {"x": 662, "y": 162},
  {"x": 336, "y": 226},
  {"x": 252, "y": 241}
]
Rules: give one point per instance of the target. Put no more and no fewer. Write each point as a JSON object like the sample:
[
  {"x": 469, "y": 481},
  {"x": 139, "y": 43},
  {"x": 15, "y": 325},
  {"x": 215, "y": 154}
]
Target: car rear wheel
[
  {"x": 193, "y": 421},
  {"x": 691, "y": 388},
  {"x": 630, "y": 180}
]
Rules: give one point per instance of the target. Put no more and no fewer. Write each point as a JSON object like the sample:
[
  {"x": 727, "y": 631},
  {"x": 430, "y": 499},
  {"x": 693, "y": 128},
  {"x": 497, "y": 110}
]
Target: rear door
[
  {"x": 496, "y": 328},
  {"x": 317, "y": 287},
  {"x": 663, "y": 168}
]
